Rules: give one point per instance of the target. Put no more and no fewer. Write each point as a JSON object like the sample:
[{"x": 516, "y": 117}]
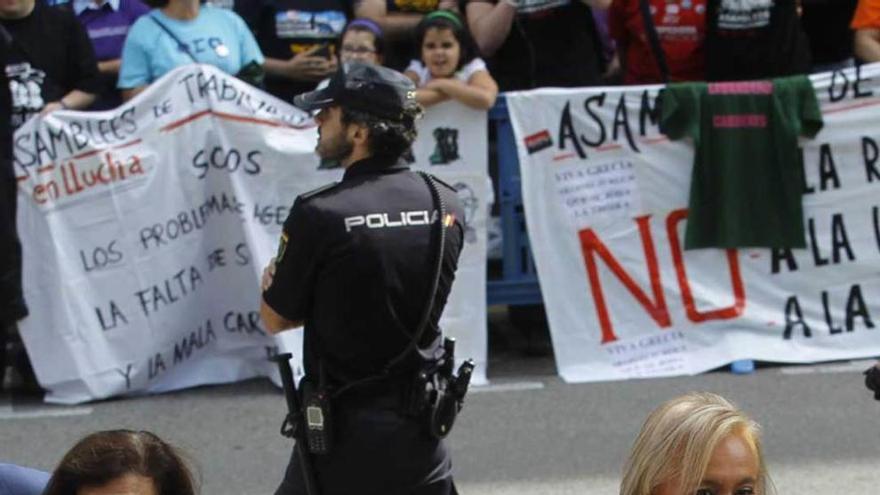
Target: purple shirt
[{"x": 108, "y": 25}]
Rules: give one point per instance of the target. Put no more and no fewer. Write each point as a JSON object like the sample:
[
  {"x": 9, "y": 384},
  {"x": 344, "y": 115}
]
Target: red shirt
[{"x": 681, "y": 27}]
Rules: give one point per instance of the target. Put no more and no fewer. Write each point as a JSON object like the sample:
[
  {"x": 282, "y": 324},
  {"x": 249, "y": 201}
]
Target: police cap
[{"x": 366, "y": 87}]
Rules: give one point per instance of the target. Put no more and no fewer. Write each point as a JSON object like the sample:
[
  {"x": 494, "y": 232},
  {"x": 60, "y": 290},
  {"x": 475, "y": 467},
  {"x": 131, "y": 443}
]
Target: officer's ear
[{"x": 358, "y": 133}]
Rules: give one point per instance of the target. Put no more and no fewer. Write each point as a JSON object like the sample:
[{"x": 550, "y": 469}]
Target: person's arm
[
  {"x": 110, "y": 66},
  {"x": 412, "y": 76},
  {"x": 134, "y": 69},
  {"x": 273, "y": 321},
  {"x": 395, "y": 25},
  {"x": 429, "y": 97},
  {"x": 288, "y": 283},
  {"x": 128, "y": 94},
  {"x": 302, "y": 66},
  {"x": 490, "y": 24},
  {"x": 620, "y": 34},
  {"x": 866, "y": 44},
  {"x": 249, "y": 48},
  {"x": 84, "y": 77},
  {"x": 75, "y": 100},
  {"x": 478, "y": 92}
]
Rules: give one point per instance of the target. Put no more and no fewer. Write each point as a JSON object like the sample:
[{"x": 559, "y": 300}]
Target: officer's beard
[{"x": 337, "y": 148}]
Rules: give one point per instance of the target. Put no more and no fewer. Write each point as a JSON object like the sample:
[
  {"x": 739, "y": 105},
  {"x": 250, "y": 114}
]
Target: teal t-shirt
[
  {"x": 747, "y": 180},
  {"x": 217, "y": 37}
]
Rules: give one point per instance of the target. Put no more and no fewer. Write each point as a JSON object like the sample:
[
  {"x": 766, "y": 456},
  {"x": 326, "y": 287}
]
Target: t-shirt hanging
[{"x": 747, "y": 180}]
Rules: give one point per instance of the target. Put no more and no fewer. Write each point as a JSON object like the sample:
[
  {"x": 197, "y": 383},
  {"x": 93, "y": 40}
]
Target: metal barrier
[{"x": 518, "y": 284}]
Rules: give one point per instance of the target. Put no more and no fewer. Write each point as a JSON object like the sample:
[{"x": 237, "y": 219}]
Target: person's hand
[
  {"x": 306, "y": 66},
  {"x": 268, "y": 275},
  {"x": 51, "y": 107},
  {"x": 442, "y": 84},
  {"x": 872, "y": 380}
]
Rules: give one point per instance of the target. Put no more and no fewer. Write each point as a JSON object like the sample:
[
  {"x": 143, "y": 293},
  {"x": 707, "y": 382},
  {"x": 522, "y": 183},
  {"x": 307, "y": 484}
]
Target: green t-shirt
[{"x": 747, "y": 182}]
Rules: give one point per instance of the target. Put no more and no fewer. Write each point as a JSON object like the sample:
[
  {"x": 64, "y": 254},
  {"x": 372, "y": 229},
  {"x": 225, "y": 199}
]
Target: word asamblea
[
  {"x": 47, "y": 143},
  {"x": 573, "y": 128}
]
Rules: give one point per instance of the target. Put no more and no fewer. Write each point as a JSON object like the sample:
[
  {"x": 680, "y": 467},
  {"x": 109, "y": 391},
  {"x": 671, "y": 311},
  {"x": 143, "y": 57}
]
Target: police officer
[{"x": 355, "y": 266}]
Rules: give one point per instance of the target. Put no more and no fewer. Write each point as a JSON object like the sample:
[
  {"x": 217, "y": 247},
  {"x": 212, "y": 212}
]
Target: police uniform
[{"x": 356, "y": 262}]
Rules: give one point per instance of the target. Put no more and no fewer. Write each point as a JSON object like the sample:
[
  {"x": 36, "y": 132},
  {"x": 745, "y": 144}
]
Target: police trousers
[{"x": 377, "y": 450}]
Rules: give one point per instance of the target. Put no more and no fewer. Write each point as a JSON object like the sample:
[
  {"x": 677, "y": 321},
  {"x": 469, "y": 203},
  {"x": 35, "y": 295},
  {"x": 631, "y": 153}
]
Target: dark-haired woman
[{"x": 122, "y": 461}]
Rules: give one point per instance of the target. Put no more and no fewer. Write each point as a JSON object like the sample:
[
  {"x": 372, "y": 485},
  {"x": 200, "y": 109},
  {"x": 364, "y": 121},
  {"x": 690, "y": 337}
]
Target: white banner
[
  {"x": 145, "y": 229},
  {"x": 606, "y": 199}
]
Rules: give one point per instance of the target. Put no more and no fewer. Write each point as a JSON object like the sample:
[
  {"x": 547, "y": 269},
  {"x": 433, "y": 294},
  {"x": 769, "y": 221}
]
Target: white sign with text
[
  {"x": 606, "y": 196},
  {"x": 145, "y": 230}
]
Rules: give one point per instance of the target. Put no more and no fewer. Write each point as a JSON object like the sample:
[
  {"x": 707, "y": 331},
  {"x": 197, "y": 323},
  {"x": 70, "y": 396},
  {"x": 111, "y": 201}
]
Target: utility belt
[{"x": 433, "y": 395}]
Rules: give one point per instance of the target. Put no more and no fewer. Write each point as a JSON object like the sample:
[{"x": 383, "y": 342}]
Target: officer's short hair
[{"x": 387, "y": 138}]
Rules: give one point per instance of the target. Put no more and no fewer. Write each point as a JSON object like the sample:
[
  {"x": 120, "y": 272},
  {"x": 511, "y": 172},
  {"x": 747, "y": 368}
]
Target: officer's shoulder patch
[
  {"x": 315, "y": 192},
  {"x": 282, "y": 247}
]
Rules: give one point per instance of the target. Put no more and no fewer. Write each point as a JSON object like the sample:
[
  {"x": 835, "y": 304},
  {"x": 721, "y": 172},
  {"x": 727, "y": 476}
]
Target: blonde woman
[{"x": 697, "y": 444}]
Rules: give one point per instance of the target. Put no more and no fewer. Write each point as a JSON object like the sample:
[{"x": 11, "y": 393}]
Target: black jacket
[{"x": 12, "y": 307}]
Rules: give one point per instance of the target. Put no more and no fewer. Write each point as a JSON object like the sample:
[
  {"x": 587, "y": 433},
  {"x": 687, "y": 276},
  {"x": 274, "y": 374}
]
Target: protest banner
[
  {"x": 606, "y": 197},
  {"x": 145, "y": 229}
]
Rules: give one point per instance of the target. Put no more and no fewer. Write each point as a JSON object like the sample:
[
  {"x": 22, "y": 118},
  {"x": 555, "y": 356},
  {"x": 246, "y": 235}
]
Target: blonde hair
[{"x": 678, "y": 439}]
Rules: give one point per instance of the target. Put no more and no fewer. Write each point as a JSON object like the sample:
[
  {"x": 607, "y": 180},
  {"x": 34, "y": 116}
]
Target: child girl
[
  {"x": 362, "y": 41},
  {"x": 449, "y": 67}
]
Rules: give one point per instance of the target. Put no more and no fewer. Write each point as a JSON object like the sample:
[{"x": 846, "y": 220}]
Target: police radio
[
  {"x": 318, "y": 425},
  {"x": 448, "y": 399}
]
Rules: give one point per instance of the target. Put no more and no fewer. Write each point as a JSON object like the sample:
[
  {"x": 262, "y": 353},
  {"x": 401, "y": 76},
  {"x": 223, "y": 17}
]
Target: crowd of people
[{"x": 92, "y": 54}]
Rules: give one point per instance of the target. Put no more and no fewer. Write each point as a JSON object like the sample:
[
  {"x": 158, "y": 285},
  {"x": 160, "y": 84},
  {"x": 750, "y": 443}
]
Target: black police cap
[{"x": 366, "y": 87}]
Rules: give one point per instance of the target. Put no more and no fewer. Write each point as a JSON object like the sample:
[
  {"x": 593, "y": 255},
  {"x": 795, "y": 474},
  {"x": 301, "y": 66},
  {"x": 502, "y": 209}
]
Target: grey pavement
[{"x": 527, "y": 433}]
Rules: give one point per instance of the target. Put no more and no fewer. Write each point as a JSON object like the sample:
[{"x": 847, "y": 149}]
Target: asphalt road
[{"x": 527, "y": 433}]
